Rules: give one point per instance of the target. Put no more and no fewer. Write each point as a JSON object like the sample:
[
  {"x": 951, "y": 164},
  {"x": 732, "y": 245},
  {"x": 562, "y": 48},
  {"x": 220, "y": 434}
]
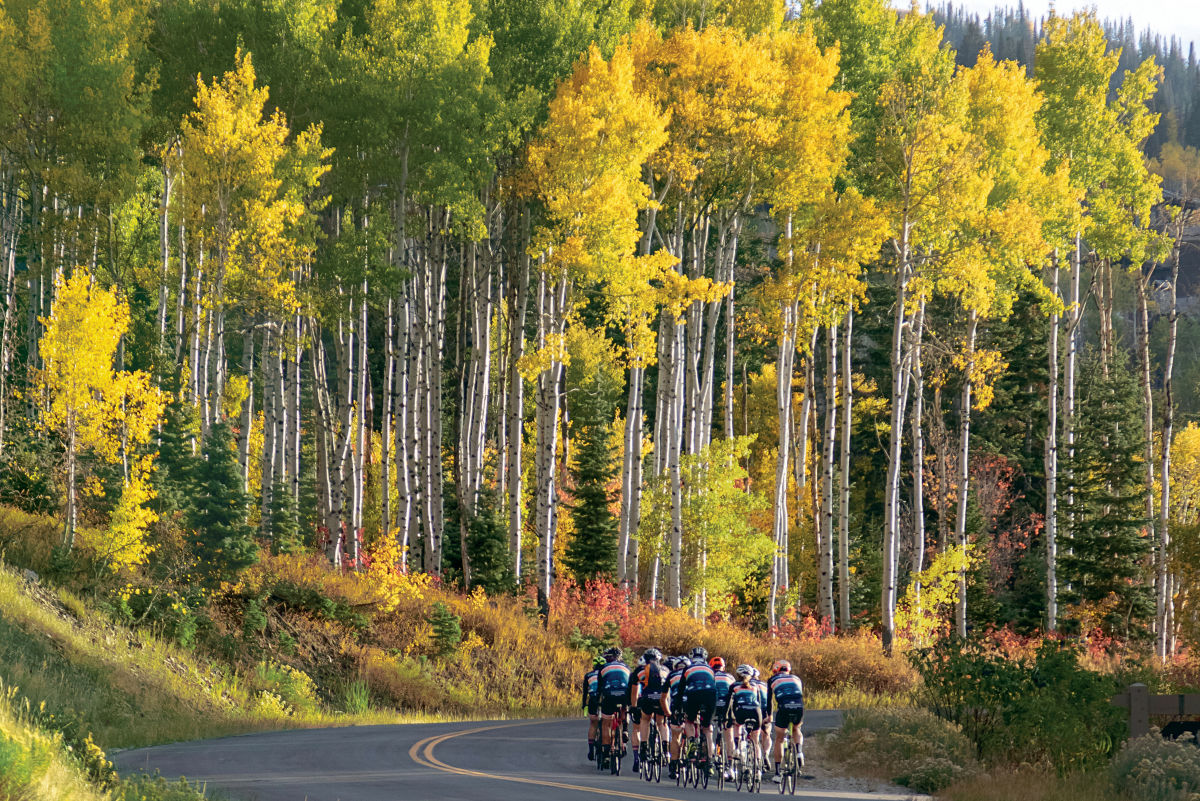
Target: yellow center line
[{"x": 422, "y": 754}]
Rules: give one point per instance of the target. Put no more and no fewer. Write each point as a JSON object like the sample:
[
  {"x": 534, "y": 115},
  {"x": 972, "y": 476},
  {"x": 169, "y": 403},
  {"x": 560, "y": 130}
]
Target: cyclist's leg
[
  {"x": 798, "y": 735},
  {"x": 676, "y": 741},
  {"x": 777, "y": 750},
  {"x": 727, "y": 733},
  {"x": 608, "y": 708},
  {"x": 705, "y": 720}
]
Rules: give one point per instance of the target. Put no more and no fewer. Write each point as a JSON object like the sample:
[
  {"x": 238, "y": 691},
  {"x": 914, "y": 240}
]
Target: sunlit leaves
[
  {"x": 585, "y": 168},
  {"x": 248, "y": 189}
]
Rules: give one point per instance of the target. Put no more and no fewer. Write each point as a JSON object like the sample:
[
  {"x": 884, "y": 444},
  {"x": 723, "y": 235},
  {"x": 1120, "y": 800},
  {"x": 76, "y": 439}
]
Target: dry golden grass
[
  {"x": 34, "y": 765},
  {"x": 1032, "y": 784}
]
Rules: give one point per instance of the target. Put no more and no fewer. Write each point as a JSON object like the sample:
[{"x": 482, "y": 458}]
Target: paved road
[{"x": 512, "y": 761}]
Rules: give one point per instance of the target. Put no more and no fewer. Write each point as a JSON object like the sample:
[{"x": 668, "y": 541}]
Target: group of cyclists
[{"x": 693, "y": 696}]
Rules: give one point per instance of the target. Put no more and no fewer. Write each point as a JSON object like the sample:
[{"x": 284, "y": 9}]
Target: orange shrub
[{"x": 823, "y": 661}]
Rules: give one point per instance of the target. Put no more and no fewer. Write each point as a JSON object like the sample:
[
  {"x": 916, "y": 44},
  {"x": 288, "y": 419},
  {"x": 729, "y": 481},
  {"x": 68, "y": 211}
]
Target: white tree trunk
[
  {"x": 164, "y": 246},
  {"x": 918, "y": 445},
  {"x": 844, "y": 511},
  {"x": 675, "y": 433},
  {"x": 1051, "y": 464},
  {"x": 1164, "y": 644},
  {"x": 783, "y": 410},
  {"x": 829, "y": 438},
  {"x": 891, "y": 523},
  {"x": 247, "y": 421},
  {"x": 552, "y": 323},
  {"x": 1142, "y": 287},
  {"x": 964, "y": 473},
  {"x": 515, "y": 415}
]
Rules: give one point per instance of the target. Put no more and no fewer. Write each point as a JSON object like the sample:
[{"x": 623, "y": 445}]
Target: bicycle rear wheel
[{"x": 792, "y": 769}]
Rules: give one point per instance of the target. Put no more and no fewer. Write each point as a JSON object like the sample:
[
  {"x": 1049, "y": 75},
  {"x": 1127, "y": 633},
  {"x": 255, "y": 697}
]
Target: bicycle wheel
[
  {"x": 739, "y": 765},
  {"x": 783, "y": 770}
]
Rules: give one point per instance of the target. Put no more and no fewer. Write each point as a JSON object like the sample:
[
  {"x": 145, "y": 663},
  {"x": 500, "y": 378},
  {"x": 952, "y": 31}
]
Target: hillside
[{"x": 293, "y": 644}]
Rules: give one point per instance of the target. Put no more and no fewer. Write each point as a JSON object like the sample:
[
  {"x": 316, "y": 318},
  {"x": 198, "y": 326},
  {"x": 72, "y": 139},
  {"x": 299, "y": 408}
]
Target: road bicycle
[
  {"x": 652, "y": 753},
  {"x": 694, "y": 763},
  {"x": 612, "y": 754},
  {"x": 747, "y": 765},
  {"x": 789, "y": 768},
  {"x": 718, "y": 753}
]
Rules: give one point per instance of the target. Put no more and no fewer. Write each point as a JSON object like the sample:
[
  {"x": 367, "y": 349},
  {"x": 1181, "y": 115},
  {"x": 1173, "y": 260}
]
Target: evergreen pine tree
[
  {"x": 285, "y": 522},
  {"x": 593, "y": 550},
  {"x": 1103, "y": 561},
  {"x": 177, "y": 462},
  {"x": 223, "y": 539},
  {"x": 487, "y": 545}
]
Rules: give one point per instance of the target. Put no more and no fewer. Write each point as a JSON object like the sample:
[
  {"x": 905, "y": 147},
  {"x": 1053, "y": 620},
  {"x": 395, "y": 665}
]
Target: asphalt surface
[{"x": 499, "y": 761}]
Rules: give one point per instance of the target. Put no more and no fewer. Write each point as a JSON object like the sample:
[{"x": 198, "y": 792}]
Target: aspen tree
[
  {"x": 921, "y": 158},
  {"x": 93, "y": 407},
  {"x": 585, "y": 169},
  {"x": 1073, "y": 71},
  {"x": 1180, "y": 169}
]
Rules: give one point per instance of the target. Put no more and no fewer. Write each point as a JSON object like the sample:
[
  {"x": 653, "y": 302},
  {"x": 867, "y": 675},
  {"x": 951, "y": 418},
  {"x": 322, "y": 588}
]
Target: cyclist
[
  {"x": 744, "y": 713},
  {"x": 764, "y": 732},
  {"x": 785, "y": 693},
  {"x": 614, "y": 694},
  {"x": 635, "y": 714},
  {"x": 591, "y": 702},
  {"x": 646, "y": 697},
  {"x": 724, "y": 683},
  {"x": 673, "y": 703},
  {"x": 700, "y": 688}
]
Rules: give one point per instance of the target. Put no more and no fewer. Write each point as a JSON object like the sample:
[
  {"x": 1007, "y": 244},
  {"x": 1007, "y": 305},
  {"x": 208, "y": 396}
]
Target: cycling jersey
[
  {"x": 651, "y": 680},
  {"x": 700, "y": 693},
  {"x": 761, "y": 686},
  {"x": 699, "y": 676},
  {"x": 675, "y": 688},
  {"x": 724, "y": 682},
  {"x": 614, "y": 680},
  {"x": 744, "y": 698},
  {"x": 785, "y": 691},
  {"x": 591, "y": 687},
  {"x": 743, "y": 704}
]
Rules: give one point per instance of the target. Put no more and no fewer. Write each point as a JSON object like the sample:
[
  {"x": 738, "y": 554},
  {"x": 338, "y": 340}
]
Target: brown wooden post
[{"x": 1139, "y": 710}]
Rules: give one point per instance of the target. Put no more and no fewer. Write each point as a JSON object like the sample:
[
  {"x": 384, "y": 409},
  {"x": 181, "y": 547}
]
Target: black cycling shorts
[
  {"x": 635, "y": 715},
  {"x": 650, "y": 706},
  {"x": 699, "y": 705},
  {"x": 593, "y": 707},
  {"x": 609, "y": 704},
  {"x": 676, "y": 717},
  {"x": 746, "y": 718},
  {"x": 785, "y": 716}
]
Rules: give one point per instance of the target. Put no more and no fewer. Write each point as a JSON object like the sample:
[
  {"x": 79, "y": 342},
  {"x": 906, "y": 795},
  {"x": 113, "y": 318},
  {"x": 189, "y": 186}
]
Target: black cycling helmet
[
  {"x": 699, "y": 652},
  {"x": 652, "y": 655},
  {"x": 612, "y": 654}
]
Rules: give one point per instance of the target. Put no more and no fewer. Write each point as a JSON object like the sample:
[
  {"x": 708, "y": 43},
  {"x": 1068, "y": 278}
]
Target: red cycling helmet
[
  {"x": 716, "y": 663},
  {"x": 781, "y": 666}
]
